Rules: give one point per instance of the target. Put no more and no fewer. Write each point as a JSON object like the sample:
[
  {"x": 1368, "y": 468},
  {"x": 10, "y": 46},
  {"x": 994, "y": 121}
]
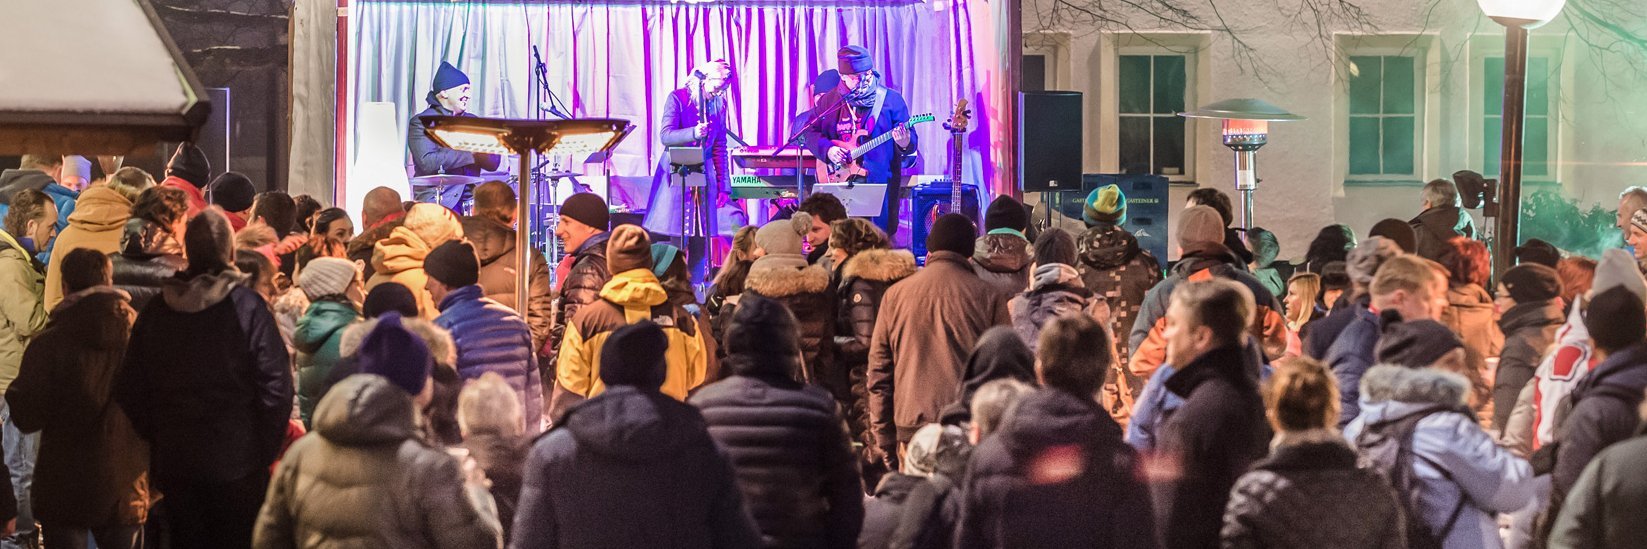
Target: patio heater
[
  {"x": 1517, "y": 16},
  {"x": 1246, "y": 129},
  {"x": 577, "y": 137}
]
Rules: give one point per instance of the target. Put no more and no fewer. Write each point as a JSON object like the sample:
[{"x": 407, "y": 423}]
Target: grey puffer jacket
[
  {"x": 1003, "y": 259},
  {"x": 1453, "y": 458},
  {"x": 364, "y": 479}
]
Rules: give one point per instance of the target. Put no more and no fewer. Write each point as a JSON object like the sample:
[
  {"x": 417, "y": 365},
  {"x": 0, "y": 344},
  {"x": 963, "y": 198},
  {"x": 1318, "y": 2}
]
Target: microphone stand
[{"x": 794, "y": 140}]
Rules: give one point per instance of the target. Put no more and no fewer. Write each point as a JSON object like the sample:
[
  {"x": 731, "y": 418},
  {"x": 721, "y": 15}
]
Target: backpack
[
  {"x": 1543, "y": 459},
  {"x": 1386, "y": 447}
]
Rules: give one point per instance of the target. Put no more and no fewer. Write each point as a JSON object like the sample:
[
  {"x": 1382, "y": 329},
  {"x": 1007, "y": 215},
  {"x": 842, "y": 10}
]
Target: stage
[{"x": 622, "y": 59}]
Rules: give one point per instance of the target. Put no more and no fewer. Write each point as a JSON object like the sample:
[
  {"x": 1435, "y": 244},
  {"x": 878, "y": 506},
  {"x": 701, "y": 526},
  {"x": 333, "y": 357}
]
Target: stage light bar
[
  {"x": 584, "y": 136},
  {"x": 471, "y": 141}
]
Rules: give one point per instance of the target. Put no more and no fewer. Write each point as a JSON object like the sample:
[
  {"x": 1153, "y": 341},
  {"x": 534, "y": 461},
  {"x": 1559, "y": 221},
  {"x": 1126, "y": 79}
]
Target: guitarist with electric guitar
[{"x": 865, "y": 133}]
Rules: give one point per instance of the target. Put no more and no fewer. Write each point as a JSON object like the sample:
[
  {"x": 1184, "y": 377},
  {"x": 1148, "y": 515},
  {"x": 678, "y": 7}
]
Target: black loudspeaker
[{"x": 1049, "y": 141}]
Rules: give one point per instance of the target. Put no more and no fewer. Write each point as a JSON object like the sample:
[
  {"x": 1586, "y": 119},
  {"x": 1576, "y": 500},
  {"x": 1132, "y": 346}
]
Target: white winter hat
[{"x": 325, "y": 276}]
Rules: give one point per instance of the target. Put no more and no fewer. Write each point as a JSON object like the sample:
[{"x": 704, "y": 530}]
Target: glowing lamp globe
[{"x": 1527, "y": 14}]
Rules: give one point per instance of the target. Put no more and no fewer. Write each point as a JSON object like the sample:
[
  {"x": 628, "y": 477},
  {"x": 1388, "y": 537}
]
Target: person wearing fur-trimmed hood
[{"x": 780, "y": 272}]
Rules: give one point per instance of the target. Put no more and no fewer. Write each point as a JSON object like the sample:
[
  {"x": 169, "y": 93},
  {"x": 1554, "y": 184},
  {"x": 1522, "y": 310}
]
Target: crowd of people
[{"x": 191, "y": 363}]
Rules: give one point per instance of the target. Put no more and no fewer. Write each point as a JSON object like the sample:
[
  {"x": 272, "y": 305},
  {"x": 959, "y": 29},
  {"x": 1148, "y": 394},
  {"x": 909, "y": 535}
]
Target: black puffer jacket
[
  {"x": 790, "y": 452},
  {"x": 864, "y": 278},
  {"x": 805, "y": 290},
  {"x": 149, "y": 254},
  {"x": 1310, "y": 494},
  {"x": 1113, "y": 266},
  {"x": 630, "y": 468},
  {"x": 1003, "y": 260},
  {"x": 1100, "y": 503},
  {"x": 580, "y": 287}
]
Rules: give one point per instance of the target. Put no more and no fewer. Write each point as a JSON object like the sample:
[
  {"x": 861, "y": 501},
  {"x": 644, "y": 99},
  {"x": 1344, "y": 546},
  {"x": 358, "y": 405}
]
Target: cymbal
[{"x": 445, "y": 180}]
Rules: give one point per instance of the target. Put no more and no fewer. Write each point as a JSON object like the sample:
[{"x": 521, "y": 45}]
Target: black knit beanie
[
  {"x": 453, "y": 264},
  {"x": 1531, "y": 282},
  {"x": 1414, "y": 344},
  {"x": 190, "y": 164},
  {"x": 1616, "y": 319},
  {"x": 1006, "y": 213},
  {"x": 390, "y": 297},
  {"x": 634, "y": 355},
  {"x": 233, "y": 191},
  {"x": 953, "y": 232},
  {"x": 588, "y": 209},
  {"x": 762, "y": 327}
]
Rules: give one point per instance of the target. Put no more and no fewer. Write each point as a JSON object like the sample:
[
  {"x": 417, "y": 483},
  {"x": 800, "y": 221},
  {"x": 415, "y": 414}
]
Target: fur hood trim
[
  {"x": 880, "y": 265},
  {"x": 1414, "y": 385},
  {"x": 437, "y": 338},
  {"x": 779, "y": 281}
]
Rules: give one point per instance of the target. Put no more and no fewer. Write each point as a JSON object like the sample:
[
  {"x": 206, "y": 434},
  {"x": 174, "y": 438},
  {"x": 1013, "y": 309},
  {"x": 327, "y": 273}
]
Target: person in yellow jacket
[
  {"x": 634, "y": 294},
  {"x": 399, "y": 258}
]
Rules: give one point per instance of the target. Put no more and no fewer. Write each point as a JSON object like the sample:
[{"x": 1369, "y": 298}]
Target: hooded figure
[
  {"x": 364, "y": 478},
  {"x": 631, "y": 466},
  {"x": 1094, "y": 499},
  {"x": 1055, "y": 291},
  {"x": 1000, "y": 354},
  {"x": 786, "y": 442},
  {"x": 215, "y": 410},
  {"x": 1002, "y": 255},
  {"x": 784, "y": 275},
  {"x": 98, "y": 221},
  {"x": 634, "y": 294},
  {"x": 1114, "y": 267},
  {"x": 399, "y": 258},
  {"x": 1456, "y": 465}
]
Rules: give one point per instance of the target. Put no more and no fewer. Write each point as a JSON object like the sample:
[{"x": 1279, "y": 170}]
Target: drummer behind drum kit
[{"x": 544, "y": 209}]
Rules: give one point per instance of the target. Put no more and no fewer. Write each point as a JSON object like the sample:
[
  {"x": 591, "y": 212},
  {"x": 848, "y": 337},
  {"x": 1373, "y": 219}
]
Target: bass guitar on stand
[{"x": 958, "y": 201}]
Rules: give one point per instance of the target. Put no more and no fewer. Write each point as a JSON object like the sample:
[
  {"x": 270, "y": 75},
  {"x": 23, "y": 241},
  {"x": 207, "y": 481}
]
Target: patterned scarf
[{"x": 863, "y": 96}]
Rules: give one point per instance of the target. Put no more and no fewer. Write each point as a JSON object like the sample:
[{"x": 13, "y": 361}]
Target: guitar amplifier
[{"x": 932, "y": 200}]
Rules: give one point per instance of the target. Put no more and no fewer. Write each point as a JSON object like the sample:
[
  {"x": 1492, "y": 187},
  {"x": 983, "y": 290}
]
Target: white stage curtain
[
  {"x": 314, "y": 100},
  {"x": 621, "y": 61}
]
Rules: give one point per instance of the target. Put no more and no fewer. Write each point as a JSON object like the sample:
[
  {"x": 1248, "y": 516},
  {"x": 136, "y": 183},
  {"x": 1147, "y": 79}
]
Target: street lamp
[
  {"x": 577, "y": 137},
  {"x": 1246, "y": 129},
  {"x": 1517, "y": 16}
]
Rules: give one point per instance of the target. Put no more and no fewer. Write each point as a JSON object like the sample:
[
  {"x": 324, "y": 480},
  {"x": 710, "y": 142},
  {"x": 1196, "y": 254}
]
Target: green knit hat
[{"x": 1105, "y": 205}]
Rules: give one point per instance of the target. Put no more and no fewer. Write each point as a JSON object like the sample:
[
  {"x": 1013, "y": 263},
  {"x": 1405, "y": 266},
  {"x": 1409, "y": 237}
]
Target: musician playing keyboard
[
  {"x": 863, "y": 103},
  {"x": 449, "y": 95}
]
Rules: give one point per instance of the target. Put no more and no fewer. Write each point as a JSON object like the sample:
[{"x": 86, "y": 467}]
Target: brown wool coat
[{"x": 927, "y": 327}]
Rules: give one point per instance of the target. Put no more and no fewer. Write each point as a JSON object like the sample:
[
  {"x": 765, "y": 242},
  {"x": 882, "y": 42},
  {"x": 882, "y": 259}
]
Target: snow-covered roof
[{"x": 93, "y": 65}]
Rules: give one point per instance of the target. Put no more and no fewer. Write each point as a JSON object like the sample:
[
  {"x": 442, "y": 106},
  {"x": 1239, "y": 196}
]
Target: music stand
[
  {"x": 686, "y": 170},
  {"x": 577, "y": 137}
]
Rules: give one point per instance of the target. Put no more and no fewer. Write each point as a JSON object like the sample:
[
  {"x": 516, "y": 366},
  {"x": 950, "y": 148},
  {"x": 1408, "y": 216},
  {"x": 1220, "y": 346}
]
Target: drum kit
[{"x": 544, "y": 209}]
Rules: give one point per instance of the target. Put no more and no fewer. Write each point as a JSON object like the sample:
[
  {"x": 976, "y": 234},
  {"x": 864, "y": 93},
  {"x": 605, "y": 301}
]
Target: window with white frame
[
  {"x": 1538, "y": 127},
  {"x": 1386, "y": 99},
  {"x": 1151, "y": 90}
]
